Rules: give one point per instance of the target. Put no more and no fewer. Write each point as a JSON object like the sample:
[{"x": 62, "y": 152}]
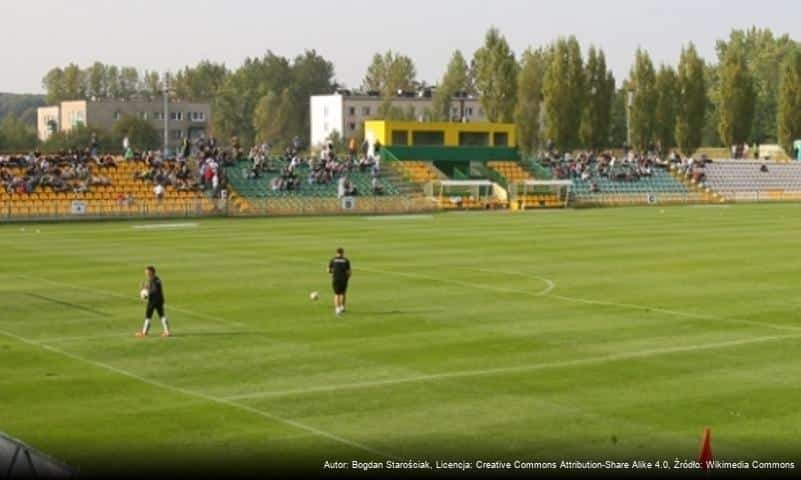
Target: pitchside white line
[
  {"x": 210, "y": 398},
  {"x": 401, "y": 217},
  {"x": 517, "y": 369},
  {"x": 164, "y": 225},
  {"x": 127, "y": 297}
]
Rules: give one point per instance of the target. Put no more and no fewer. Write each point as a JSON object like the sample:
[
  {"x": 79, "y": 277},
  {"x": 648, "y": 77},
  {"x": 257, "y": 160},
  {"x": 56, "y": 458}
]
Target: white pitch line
[
  {"x": 446, "y": 280},
  {"x": 210, "y": 398},
  {"x": 515, "y": 369},
  {"x": 547, "y": 294},
  {"x": 550, "y": 284},
  {"x": 164, "y": 225}
]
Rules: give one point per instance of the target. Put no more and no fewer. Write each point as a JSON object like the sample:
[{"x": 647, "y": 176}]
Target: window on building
[
  {"x": 365, "y": 110},
  {"x": 352, "y": 111},
  {"x": 177, "y": 134},
  {"x": 117, "y": 115},
  {"x": 501, "y": 139},
  {"x": 352, "y": 126},
  {"x": 143, "y": 115},
  {"x": 158, "y": 115},
  {"x": 469, "y": 112},
  {"x": 176, "y": 116},
  {"x": 197, "y": 116},
  {"x": 428, "y": 138},
  {"x": 474, "y": 139},
  {"x": 400, "y": 137},
  {"x": 76, "y": 118}
]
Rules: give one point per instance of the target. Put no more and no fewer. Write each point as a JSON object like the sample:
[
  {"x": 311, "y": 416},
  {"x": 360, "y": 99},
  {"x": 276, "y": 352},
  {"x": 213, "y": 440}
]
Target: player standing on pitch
[
  {"x": 155, "y": 302},
  {"x": 339, "y": 268}
]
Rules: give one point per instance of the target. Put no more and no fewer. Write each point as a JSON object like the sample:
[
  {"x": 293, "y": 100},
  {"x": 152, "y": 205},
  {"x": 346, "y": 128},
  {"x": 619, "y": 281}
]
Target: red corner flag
[{"x": 706, "y": 449}]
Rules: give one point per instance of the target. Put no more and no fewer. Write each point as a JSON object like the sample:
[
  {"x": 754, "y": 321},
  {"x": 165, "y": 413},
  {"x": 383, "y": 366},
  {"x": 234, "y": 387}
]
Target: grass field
[{"x": 615, "y": 333}]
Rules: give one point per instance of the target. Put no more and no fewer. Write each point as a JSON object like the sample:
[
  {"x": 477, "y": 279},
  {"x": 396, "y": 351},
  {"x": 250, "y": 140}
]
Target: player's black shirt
[
  {"x": 155, "y": 292},
  {"x": 339, "y": 268}
]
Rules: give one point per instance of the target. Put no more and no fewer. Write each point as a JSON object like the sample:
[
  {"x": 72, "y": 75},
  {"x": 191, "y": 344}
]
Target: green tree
[
  {"x": 599, "y": 91},
  {"x": 235, "y": 103},
  {"x": 789, "y": 121},
  {"x": 389, "y": 111},
  {"x": 666, "y": 107},
  {"x": 78, "y": 138},
  {"x": 529, "y": 99},
  {"x": 140, "y": 133},
  {"x": 16, "y": 136},
  {"x": 310, "y": 74},
  {"x": 128, "y": 82},
  {"x": 74, "y": 82},
  {"x": 53, "y": 84},
  {"x": 96, "y": 81},
  {"x": 456, "y": 79},
  {"x": 68, "y": 83},
  {"x": 564, "y": 93},
  {"x": 692, "y": 101},
  {"x": 736, "y": 98},
  {"x": 151, "y": 85},
  {"x": 271, "y": 117},
  {"x": 764, "y": 55},
  {"x": 389, "y": 73},
  {"x": 618, "y": 132},
  {"x": 494, "y": 71},
  {"x": 201, "y": 82},
  {"x": 642, "y": 110}
]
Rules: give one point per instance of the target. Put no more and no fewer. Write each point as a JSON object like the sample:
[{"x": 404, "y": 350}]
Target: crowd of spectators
[
  {"x": 590, "y": 167},
  {"x": 293, "y": 168},
  {"x": 66, "y": 171}
]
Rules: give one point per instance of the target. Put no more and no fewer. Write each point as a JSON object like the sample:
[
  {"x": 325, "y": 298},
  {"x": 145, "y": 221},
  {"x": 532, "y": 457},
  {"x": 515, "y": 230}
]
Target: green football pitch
[{"x": 604, "y": 333}]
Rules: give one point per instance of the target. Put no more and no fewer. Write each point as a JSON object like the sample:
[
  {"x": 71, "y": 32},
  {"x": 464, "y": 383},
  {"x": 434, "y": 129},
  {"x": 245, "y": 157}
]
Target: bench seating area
[
  {"x": 744, "y": 180},
  {"x": 43, "y": 202},
  {"x": 660, "y": 187},
  {"x": 261, "y": 187},
  {"x": 417, "y": 171}
]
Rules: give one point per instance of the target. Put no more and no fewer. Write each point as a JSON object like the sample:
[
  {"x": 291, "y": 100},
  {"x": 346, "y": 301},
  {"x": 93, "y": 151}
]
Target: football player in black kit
[
  {"x": 155, "y": 302},
  {"x": 339, "y": 268}
]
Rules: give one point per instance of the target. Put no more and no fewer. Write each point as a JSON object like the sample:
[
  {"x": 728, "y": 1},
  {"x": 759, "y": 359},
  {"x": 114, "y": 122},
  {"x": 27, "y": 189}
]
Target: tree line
[{"x": 557, "y": 94}]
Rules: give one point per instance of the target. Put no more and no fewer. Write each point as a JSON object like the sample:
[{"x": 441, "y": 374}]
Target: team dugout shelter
[{"x": 475, "y": 165}]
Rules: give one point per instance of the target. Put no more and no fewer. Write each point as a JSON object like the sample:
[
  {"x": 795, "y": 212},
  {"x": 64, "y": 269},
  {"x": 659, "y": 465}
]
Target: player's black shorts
[
  {"x": 159, "y": 308},
  {"x": 340, "y": 287}
]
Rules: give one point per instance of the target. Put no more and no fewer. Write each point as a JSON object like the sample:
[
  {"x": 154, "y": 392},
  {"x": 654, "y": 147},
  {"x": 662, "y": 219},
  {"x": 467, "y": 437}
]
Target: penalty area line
[
  {"x": 516, "y": 369},
  {"x": 196, "y": 394}
]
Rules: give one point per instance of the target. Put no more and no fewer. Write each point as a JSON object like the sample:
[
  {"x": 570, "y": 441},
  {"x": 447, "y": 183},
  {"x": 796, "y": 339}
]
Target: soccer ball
[
  {"x": 143, "y": 294},
  {"x": 314, "y": 296}
]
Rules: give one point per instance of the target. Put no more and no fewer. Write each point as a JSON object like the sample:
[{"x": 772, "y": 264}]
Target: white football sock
[
  {"x": 146, "y": 328},
  {"x": 164, "y": 324}
]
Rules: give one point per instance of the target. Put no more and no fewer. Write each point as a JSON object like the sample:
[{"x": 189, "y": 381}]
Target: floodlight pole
[
  {"x": 165, "y": 92},
  {"x": 629, "y": 103}
]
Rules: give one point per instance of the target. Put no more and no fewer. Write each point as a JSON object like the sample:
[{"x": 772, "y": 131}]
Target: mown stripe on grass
[{"x": 192, "y": 393}]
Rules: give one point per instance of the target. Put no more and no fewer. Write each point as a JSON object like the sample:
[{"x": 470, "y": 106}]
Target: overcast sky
[{"x": 161, "y": 34}]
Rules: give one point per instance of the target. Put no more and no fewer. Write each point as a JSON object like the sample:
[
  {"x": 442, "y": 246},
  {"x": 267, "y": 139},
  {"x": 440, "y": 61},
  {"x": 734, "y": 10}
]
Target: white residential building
[{"x": 346, "y": 112}]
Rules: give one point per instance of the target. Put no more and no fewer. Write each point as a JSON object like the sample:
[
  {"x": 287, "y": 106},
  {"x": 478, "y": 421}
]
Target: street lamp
[
  {"x": 165, "y": 90},
  {"x": 629, "y": 104}
]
